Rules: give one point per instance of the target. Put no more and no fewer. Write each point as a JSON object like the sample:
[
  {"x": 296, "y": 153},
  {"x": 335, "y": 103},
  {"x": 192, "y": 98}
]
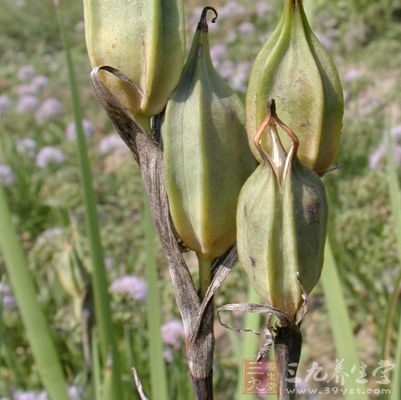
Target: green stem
[
  {"x": 205, "y": 273},
  {"x": 250, "y": 342},
  {"x": 157, "y": 365},
  {"x": 36, "y": 327},
  {"x": 108, "y": 347}
]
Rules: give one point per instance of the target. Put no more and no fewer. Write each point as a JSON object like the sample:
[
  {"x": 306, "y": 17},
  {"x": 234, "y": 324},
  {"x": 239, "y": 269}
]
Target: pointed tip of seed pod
[
  {"x": 202, "y": 25},
  {"x": 271, "y": 105}
]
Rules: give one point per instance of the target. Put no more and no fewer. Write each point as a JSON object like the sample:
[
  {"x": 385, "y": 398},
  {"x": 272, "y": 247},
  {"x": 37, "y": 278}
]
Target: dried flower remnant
[
  {"x": 49, "y": 155},
  {"x": 132, "y": 285},
  {"x": 281, "y": 222},
  {"x": 7, "y": 175}
]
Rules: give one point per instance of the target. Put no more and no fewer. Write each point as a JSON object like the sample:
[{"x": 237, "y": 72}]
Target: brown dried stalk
[{"x": 197, "y": 315}]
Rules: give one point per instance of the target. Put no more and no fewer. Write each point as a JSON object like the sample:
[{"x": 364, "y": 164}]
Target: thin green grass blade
[
  {"x": 341, "y": 327},
  {"x": 396, "y": 376},
  {"x": 250, "y": 342},
  {"x": 9, "y": 357},
  {"x": 97, "y": 375},
  {"x": 395, "y": 199},
  {"x": 109, "y": 352},
  {"x": 156, "y": 360},
  {"x": 37, "y": 330}
]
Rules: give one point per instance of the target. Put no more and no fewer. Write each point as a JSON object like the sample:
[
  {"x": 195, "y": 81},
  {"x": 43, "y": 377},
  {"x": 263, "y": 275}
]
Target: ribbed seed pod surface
[
  {"x": 295, "y": 70},
  {"x": 144, "y": 39},
  {"x": 206, "y": 153},
  {"x": 281, "y": 227}
]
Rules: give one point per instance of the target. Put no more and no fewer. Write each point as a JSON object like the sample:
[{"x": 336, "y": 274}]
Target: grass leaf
[
  {"x": 395, "y": 199},
  {"x": 341, "y": 326},
  {"x": 109, "y": 351},
  {"x": 36, "y": 327}
]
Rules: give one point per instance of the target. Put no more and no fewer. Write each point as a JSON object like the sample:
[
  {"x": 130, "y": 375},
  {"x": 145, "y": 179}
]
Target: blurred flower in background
[
  {"x": 377, "y": 158},
  {"x": 6, "y": 297},
  {"x": 40, "y": 82},
  {"x": 7, "y": 175},
  {"x": 136, "y": 287},
  {"x": 26, "y": 146},
  {"x": 71, "y": 131},
  {"x": 49, "y": 235},
  {"x": 5, "y": 104},
  {"x": 173, "y": 333},
  {"x": 27, "y": 89},
  {"x": 26, "y": 72},
  {"x": 110, "y": 143},
  {"x": 50, "y": 110},
  {"x": 49, "y": 155},
  {"x": 27, "y": 104}
]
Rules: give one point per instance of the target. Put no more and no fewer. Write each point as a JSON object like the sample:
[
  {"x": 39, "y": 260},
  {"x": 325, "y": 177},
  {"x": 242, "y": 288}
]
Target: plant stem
[
  {"x": 157, "y": 366},
  {"x": 250, "y": 341},
  {"x": 205, "y": 274},
  {"x": 287, "y": 346}
]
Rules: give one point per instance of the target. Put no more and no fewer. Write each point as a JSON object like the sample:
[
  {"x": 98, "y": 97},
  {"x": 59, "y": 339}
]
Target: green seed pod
[
  {"x": 295, "y": 69},
  {"x": 281, "y": 223},
  {"x": 206, "y": 153},
  {"x": 144, "y": 39},
  {"x": 71, "y": 273}
]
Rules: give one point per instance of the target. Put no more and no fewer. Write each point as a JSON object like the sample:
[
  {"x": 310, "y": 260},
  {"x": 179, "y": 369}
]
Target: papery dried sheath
[
  {"x": 295, "y": 70},
  {"x": 281, "y": 226},
  {"x": 144, "y": 39},
  {"x": 206, "y": 153}
]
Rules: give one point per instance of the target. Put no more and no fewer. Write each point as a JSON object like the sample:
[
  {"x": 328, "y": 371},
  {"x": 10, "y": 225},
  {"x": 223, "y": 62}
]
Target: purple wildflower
[
  {"x": 246, "y": 28},
  {"x": 218, "y": 53},
  {"x": 353, "y": 74},
  {"x": 26, "y": 146},
  {"x": 168, "y": 355},
  {"x": 7, "y": 175},
  {"x": 5, "y": 104},
  {"x": 71, "y": 131},
  {"x": 50, "y": 110},
  {"x": 7, "y": 299},
  {"x": 172, "y": 333},
  {"x": 40, "y": 82},
  {"x": 230, "y": 9},
  {"x": 136, "y": 287},
  {"x": 262, "y": 7},
  {"x": 396, "y": 131},
  {"x": 27, "y": 104},
  {"x": 49, "y": 155},
  {"x": 226, "y": 69},
  {"x": 27, "y": 90},
  {"x": 110, "y": 143},
  {"x": 26, "y": 72}
]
